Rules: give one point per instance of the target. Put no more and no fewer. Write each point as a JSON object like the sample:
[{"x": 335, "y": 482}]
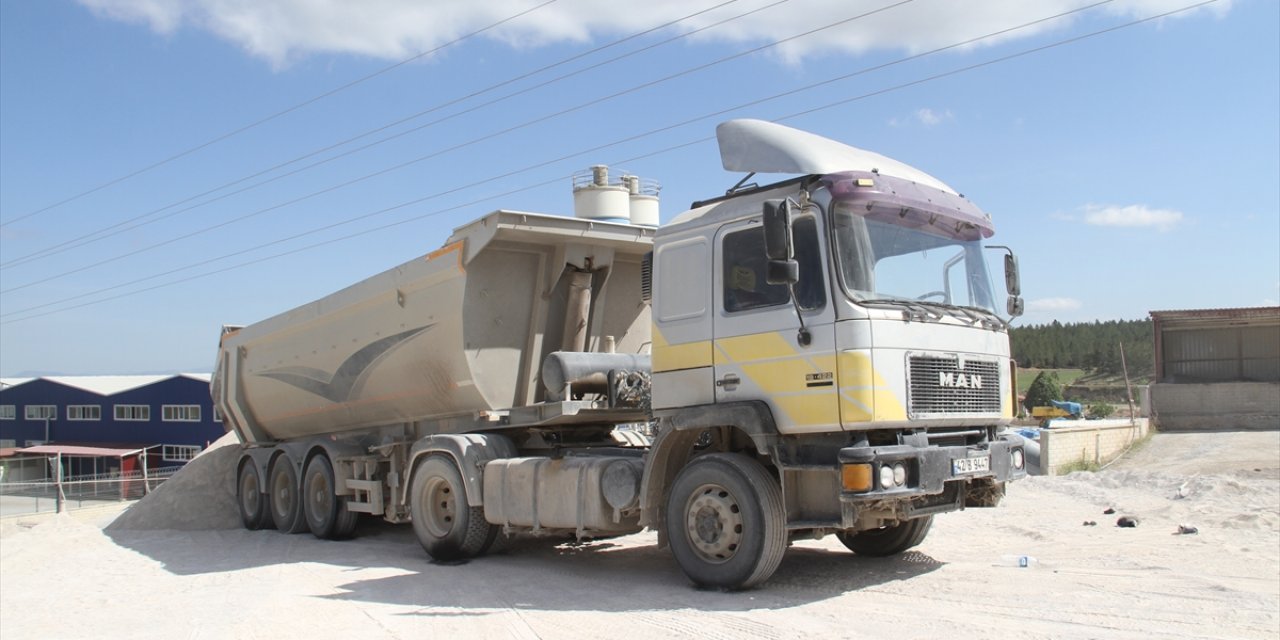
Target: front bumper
[{"x": 933, "y": 483}]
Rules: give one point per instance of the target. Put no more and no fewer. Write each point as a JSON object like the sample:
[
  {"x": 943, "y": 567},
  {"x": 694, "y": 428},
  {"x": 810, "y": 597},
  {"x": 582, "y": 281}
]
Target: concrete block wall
[
  {"x": 1218, "y": 406},
  {"x": 1098, "y": 441}
]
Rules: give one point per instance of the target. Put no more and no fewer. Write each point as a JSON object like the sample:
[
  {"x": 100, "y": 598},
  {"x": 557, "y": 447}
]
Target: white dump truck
[{"x": 822, "y": 355}]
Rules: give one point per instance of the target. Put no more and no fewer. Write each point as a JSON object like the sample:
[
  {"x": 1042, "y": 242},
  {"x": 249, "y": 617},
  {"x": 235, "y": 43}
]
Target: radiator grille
[{"x": 940, "y": 386}]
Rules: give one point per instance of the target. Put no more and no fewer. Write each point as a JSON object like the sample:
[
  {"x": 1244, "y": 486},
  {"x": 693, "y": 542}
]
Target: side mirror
[
  {"x": 1011, "y": 281},
  {"x": 1015, "y": 306},
  {"x": 782, "y": 272},
  {"x": 777, "y": 230}
]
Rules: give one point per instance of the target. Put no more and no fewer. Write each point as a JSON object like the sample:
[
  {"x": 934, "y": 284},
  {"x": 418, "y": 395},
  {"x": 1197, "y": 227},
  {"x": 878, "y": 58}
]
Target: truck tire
[
  {"x": 725, "y": 521},
  {"x": 285, "y": 500},
  {"x": 326, "y": 512},
  {"x": 253, "y": 503},
  {"x": 447, "y": 526},
  {"x": 887, "y": 541}
]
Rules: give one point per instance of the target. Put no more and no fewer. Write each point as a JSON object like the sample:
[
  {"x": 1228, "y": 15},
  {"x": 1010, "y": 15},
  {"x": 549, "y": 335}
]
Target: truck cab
[{"x": 850, "y": 315}]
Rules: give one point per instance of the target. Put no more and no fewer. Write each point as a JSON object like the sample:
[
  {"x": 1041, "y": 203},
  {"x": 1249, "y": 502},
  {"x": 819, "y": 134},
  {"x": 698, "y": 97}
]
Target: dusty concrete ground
[{"x": 65, "y": 577}]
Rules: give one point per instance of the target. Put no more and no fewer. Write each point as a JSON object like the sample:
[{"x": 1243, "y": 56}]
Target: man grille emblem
[{"x": 952, "y": 380}]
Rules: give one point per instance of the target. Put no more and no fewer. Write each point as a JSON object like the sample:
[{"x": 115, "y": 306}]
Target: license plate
[{"x": 970, "y": 465}]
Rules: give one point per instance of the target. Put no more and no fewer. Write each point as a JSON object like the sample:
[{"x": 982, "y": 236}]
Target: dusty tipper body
[{"x": 823, "y": 355}]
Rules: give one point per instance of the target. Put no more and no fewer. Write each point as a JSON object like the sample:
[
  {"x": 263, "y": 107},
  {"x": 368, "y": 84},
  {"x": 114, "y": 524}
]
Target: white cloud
[
  {"x": 282, "y": 31},
  {"x": 1052, "y": 305},
  {"x": 925, "y": 116},
  {"x": 1134, "y": 215},
  {"x": 929, "y": 117}
]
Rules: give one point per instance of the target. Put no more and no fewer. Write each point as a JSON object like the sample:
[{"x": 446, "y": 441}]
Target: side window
[
  {"x": 744, "y": 273},
  {"x": 745, "y": 266},
  {"x": 810, "y": 292}
]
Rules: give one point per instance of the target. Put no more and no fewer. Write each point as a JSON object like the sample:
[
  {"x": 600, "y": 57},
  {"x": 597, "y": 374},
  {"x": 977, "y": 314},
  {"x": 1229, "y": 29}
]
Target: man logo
[{"x": 950, "y": 380}]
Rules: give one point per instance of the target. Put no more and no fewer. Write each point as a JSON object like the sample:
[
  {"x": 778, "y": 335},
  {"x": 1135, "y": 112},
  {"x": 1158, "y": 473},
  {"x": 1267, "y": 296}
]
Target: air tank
[{"x": 461, "y": 330}]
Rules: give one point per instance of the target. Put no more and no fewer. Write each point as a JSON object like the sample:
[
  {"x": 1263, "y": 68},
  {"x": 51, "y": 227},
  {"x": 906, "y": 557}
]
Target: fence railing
[{"x": 77, "y": 492}]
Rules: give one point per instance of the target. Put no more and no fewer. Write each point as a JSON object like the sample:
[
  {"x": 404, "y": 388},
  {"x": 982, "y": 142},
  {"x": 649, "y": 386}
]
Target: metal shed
[{"x": 1217, "y": 369}]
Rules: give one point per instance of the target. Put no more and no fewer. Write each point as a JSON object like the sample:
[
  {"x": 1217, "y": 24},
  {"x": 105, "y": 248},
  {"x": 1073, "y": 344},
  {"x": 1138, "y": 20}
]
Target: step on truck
[{"x": 821, "y": 355}]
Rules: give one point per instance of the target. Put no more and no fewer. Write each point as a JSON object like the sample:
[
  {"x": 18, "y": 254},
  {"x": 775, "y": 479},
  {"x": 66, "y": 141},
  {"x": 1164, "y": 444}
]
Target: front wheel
[
  {"x": 446, "y": 524},
  {"x": 887, "y": 541},
  {"x": 725, "y": 521}
]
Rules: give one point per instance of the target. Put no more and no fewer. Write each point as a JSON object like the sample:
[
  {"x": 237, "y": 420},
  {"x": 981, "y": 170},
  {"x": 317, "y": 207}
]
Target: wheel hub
[
  {"x": 714, "y": 523},
  {"x": 441, "y": 506}
]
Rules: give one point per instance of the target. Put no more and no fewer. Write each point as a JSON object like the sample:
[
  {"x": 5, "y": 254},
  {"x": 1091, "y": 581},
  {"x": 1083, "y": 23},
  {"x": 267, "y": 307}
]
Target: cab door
[{"x": 759, "y": 353}]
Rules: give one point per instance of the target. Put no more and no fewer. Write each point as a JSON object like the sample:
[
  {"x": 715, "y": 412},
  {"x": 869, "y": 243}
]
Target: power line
[
  {"x": 791, "y": 116},
  {"x": 125, "y": 225},
  {"x": 596, "y": 148},
  {"x": 593, "y": 149},
  {"x": 275, "y": 115},
  {"x": 456, "y": 147}
]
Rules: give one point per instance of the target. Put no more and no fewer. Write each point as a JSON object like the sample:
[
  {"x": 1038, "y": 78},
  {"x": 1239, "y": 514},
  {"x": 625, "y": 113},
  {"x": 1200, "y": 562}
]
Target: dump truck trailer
[{"x": 821, "y": 355}]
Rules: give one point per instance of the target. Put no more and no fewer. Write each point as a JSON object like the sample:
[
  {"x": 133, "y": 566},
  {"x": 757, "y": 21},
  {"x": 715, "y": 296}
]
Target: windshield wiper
[
  {"x": 987, "y": 317},
  {"x": 934, "y": 311},
  {"x": 915, "y": 310}
]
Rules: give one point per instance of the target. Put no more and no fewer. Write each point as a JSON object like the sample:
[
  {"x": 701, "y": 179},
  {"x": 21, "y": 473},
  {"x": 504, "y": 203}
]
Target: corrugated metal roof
[
  {"x": 79, "y": 451},
  {"x": 1237, "y": 313},
  {"x": 109, "y": 385}
]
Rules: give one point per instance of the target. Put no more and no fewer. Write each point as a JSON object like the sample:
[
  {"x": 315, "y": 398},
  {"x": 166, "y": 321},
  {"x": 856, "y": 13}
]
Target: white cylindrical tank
[
  {"x": 643, "y": 195},
  {"x": 595, "y": 198}
]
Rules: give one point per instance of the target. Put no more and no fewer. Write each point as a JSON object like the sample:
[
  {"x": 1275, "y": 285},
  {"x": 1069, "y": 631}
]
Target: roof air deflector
[{"x": 766, "y": 147}]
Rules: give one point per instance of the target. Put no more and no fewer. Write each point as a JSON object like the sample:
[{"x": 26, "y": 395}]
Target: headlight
[
  {"x": 899, "y": 474},
  {"x": 1017, "y": 458},
  {"x": 886, "y": 477}
]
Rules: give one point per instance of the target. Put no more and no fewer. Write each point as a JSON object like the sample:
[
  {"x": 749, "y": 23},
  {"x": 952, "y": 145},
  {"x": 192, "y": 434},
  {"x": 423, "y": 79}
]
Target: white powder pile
[{"x": 202, "y": 496}]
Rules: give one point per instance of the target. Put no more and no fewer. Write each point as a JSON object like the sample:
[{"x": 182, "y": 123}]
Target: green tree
[
  {"x": 1101, "y": 410},
  {"x": 1043, "y": 389}
]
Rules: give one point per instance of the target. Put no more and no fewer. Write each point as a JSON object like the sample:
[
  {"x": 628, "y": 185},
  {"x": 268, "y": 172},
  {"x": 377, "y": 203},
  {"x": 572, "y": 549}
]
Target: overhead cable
[
  {"x": 450, "y": 149},
  {"x": 261, "y": 121},
  {"x": 150, "y": 217},
  {"x": 794, "y": 115}
]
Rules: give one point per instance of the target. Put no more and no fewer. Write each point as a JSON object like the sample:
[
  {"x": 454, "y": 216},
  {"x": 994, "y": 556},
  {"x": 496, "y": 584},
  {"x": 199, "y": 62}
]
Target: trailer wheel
[
  {"x": 285, "y": 501},
  {"x": 326, "y": 512},
  {"x": 448, "y": 527},
  {"x": 887, "y": 541},
  {"x": 253, "y": 504},
  {"x": 725, "y": 521}
]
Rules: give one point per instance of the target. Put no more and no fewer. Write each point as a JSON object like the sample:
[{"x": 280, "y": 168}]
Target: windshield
[{"x": 900, "y": 255}]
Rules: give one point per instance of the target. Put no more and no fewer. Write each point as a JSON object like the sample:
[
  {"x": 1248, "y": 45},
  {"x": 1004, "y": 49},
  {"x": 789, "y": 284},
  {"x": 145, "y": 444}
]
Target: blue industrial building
[{"x": 172, "y": 417}]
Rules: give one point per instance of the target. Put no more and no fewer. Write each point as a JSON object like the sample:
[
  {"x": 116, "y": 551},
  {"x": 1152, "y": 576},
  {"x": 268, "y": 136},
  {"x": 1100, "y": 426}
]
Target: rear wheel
[
  {"x": 446, "y": 524},
  {"x": 725, "y": 521},
  {"x": 326, "y": 512},
  {"x": 887, "y": 541},
  {"x": 285, "y": 502},
  {"x": 253, "y": 504}
]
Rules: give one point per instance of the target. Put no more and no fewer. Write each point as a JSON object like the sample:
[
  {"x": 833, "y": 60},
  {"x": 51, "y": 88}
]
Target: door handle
[{"x": 729, "y": 380}]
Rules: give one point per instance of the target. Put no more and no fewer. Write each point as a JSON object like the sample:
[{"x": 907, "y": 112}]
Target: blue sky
[{"x": 1134, "y": 170}]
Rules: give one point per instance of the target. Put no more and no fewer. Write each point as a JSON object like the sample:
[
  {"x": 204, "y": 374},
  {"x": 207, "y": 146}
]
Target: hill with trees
[{"x": 1093, "y": 347}]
